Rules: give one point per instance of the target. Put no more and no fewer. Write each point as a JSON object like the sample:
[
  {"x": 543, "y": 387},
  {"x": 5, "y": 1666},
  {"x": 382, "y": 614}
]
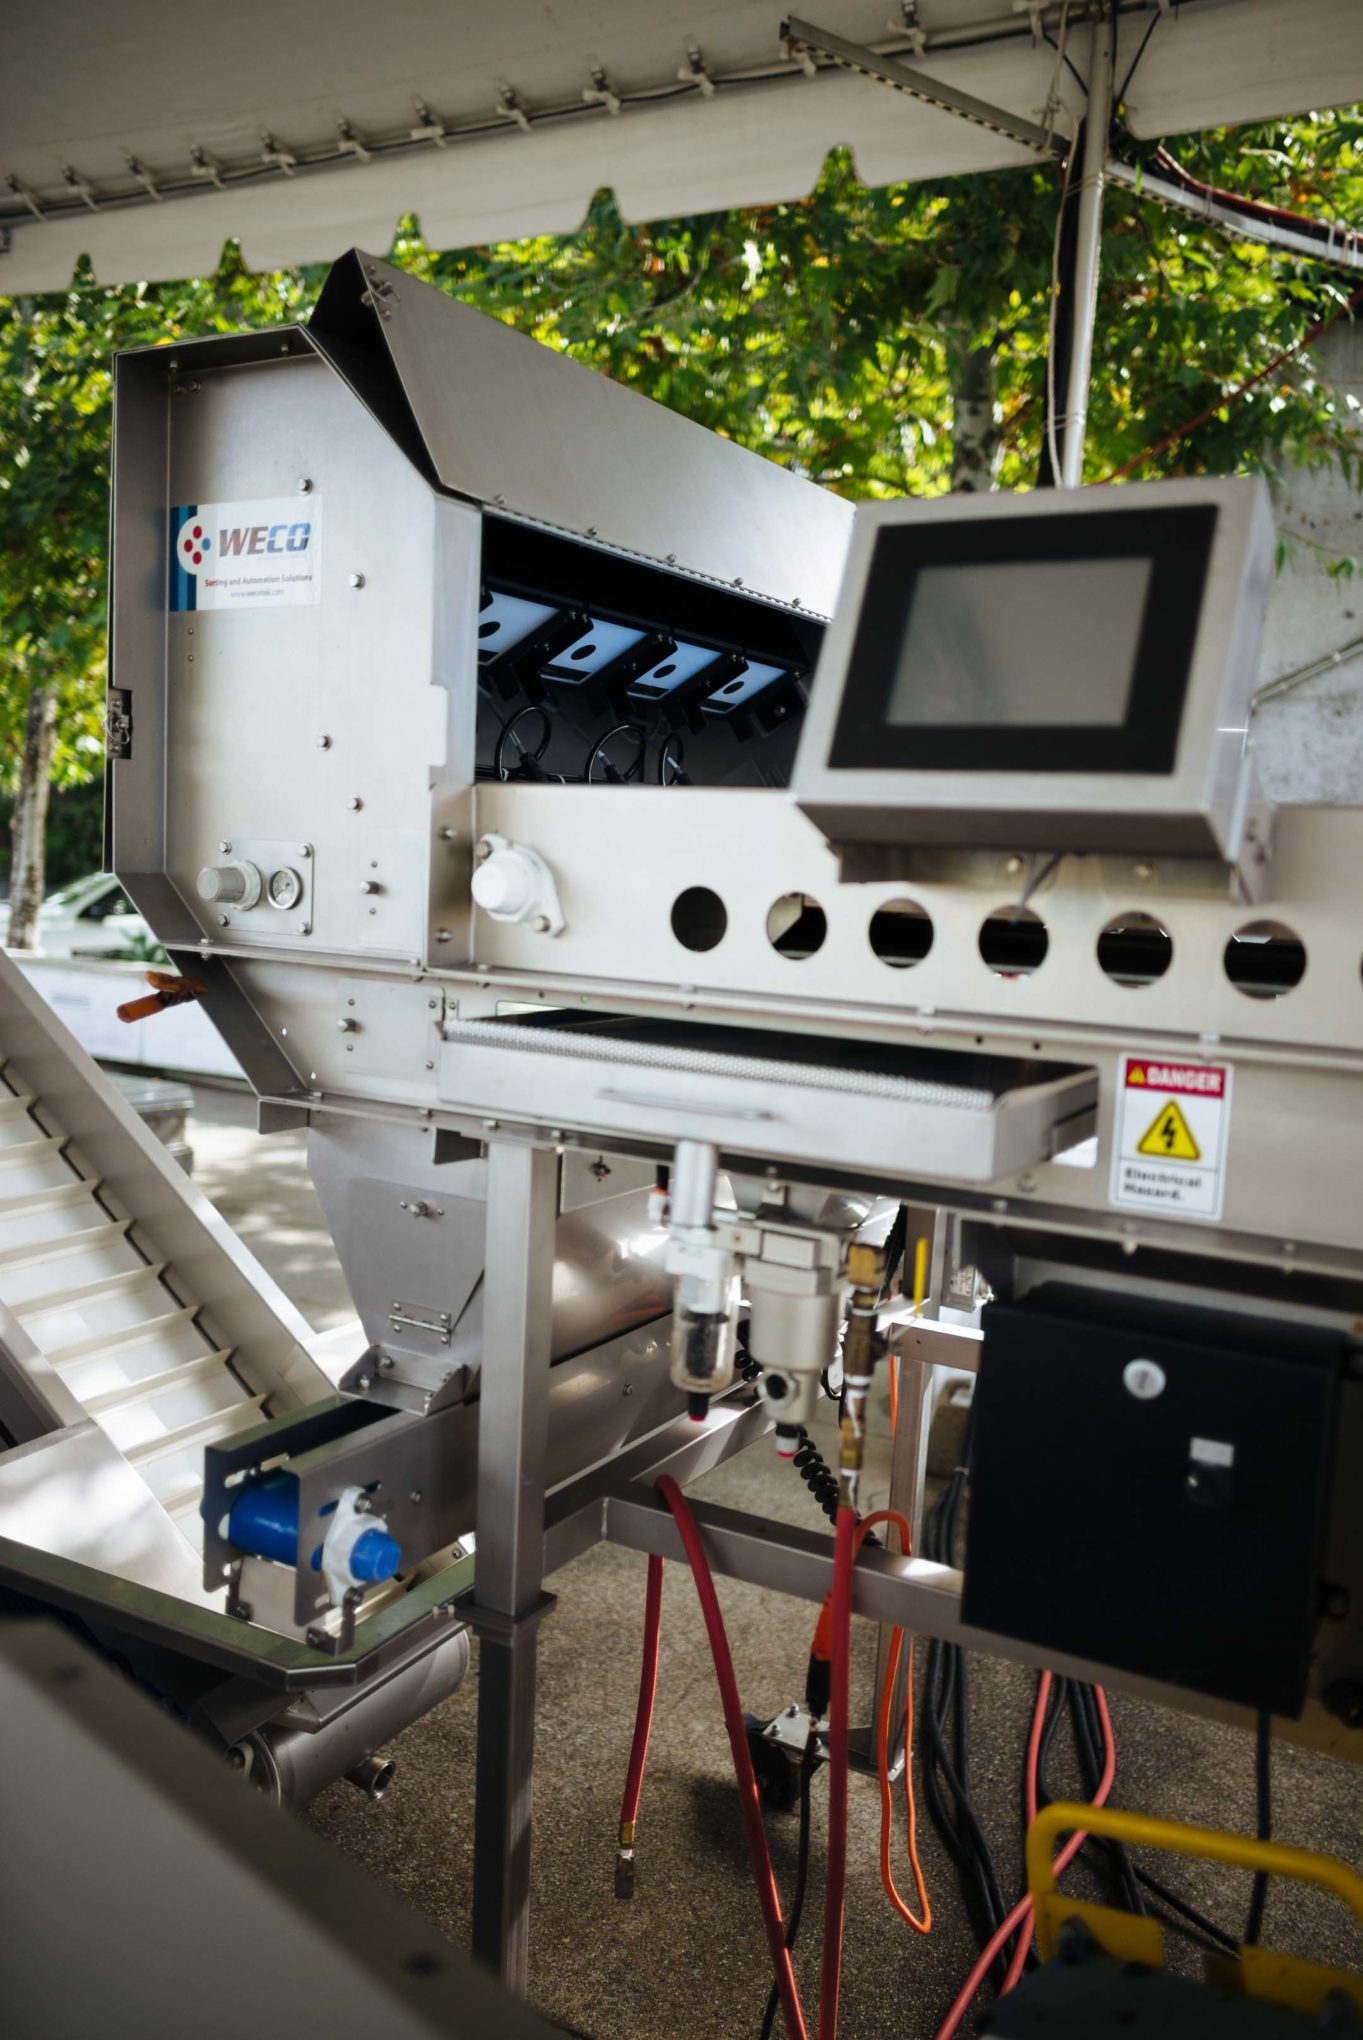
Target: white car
[{"x": 95, "y": 917}]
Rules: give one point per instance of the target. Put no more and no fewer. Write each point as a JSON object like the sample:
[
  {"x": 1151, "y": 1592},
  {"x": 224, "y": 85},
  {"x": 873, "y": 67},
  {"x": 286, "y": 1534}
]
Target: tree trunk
[
  {"x": 976, "y": 439},
  {"x": 28, "y": 831}
]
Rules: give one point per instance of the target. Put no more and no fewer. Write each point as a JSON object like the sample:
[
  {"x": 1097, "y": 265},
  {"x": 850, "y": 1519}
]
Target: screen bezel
[{"x": 1177, "y": 542}]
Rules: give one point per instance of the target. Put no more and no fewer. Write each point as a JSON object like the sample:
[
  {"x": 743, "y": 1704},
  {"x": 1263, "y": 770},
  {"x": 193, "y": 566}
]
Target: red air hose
[
  {"x": 835, "y": 1881},
  {"x": 763, "y": 1875},
  {"x": 643, "y": 1723}
]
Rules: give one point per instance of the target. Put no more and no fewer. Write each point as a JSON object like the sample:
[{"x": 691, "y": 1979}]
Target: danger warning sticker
[
  {"x": 1173, "y": 1124},
  {"x": 1169, "y": 1135}
]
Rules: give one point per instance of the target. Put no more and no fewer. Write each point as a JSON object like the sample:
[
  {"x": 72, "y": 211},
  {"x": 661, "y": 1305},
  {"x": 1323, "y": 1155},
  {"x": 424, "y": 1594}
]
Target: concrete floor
[{"x": 686, "y": 1957}]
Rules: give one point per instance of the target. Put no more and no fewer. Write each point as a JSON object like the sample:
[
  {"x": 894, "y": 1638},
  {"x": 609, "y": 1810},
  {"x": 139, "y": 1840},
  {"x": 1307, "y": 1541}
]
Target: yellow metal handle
[{"x": 1143, "y": 1830}]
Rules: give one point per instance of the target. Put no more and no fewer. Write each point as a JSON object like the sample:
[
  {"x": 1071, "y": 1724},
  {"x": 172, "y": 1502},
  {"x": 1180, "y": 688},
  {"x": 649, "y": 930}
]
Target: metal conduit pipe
[
  {"x": 1088, "y": 252},
  {"x": 291, "y": 1764}
]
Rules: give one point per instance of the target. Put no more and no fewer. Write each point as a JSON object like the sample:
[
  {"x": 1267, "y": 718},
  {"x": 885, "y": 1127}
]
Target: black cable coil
[{"x": 813, "y": 1469}]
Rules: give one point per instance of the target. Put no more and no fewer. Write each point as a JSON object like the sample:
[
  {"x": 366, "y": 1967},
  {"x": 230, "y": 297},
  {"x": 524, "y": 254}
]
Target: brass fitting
[
  {"x": 861, "y": 1347},
  {"x": 624, "y": 1861}
]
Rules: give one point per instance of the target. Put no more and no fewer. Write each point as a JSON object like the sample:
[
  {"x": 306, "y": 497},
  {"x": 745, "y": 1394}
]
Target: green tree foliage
[{"x": 845, "y": 334}]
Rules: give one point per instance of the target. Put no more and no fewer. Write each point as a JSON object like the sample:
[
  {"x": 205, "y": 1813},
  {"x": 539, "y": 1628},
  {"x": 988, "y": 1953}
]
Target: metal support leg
[{"x": 508, "y": 1600}]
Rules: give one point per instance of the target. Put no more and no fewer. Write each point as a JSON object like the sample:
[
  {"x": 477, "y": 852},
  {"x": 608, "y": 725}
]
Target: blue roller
[
  {"x": 264, "y": 1520},
  {"x": 375, "y": 1556}
]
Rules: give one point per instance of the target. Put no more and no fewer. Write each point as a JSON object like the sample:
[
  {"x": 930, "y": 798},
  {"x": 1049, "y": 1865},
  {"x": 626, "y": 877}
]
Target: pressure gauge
[{"x": 285, "y": 889}]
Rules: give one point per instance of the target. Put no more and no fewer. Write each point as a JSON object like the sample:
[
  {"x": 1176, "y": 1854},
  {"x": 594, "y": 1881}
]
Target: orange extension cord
[{"x": 923, "y": 1924}]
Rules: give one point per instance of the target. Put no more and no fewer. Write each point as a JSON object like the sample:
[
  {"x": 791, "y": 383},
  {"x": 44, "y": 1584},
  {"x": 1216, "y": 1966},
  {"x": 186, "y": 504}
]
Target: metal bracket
[
  {"x": 496, "y": 1626},
  {"x": 799, "y": 35},
  {"x": 413, "y": 1318},
  {"x": 911, "y": 27},
  {"x": 697, "y": 72}
]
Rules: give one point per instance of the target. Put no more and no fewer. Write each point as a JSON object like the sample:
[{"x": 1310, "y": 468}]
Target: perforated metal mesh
[{"x": 749, "y": 1069}]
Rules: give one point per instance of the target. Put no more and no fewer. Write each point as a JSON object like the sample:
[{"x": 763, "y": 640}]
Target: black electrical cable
[
  {"x": 1263, "y": 1822},
  {"x": 813, "y": 1469},
  {"x": 1077, "y": 76},
  {"x": 1060, "y": 1700},
  {"x": 635, "y": 770},
  {"x": 672, "y": 756},
  {"x": 946, "y": 1770},
  {"x": 895, "y": 1242},
  {"x": 1120, "y": 94},
  {"x": 507, "y": 734},
  {"x": 808, "y": 1767},
  {"x": 959, "y": 1828},
  {"x": 1088, "y": 1736},
  {"x": 1205, "y": 1932}
]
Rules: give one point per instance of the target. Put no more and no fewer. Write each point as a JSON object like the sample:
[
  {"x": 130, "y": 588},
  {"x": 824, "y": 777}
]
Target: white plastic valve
[
  {"x": 505, "y": 885},
  {"x": 513, "y": 883},
  {"x": 230, "y": 885}
]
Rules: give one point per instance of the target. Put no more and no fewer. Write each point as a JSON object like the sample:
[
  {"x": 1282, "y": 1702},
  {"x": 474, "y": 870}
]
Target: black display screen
[{"x": 1039, "y": 644}]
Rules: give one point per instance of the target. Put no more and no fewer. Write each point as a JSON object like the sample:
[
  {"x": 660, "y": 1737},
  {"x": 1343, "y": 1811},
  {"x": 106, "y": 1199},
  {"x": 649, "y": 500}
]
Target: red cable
[
  {"x": 648, "y": 1686},
  {"x": 763, "y": 1875},
  {"x": 1033, "y": 1772},
  {"x": 1256, "y": 208},
  {"x": 835, "y": 1877},
  {"x": 1224, "y": 403},
  {"x": 1043, "y": 1694},
  {"x": 1022, "y": 1911}
]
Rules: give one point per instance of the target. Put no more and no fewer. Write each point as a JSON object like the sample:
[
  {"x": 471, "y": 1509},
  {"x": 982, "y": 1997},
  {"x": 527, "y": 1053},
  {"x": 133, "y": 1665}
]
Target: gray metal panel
[
  {"x": 509, "y": 422},
  {"x": 198, "y": 1905},
  {"x": 117, "y": 1525},
  {"x": 410, "y": 1234}
]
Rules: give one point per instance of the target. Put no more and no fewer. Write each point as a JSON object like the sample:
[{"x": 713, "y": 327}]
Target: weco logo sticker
[{"x": 249, "y": 555}]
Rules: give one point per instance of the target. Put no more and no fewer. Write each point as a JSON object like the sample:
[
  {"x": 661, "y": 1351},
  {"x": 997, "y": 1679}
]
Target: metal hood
[{"x": 516, "y": 427}]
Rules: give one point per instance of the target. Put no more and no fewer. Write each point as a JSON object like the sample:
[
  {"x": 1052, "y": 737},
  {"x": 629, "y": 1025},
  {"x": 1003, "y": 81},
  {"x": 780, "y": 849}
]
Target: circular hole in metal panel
[
  {"x": 1264, "y": 959},
  {"x": 1014, "y": 941},
  {"x": 796, "y": 926},
  {"x": 900, "y": 933},
  {"x": 1135, "y": 949},
  {"x": 699, "y": 918}
]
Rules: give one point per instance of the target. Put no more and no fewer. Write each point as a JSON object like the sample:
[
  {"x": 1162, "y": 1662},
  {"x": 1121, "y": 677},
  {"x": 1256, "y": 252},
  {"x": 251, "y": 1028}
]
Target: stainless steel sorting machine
[{"x": 481, "y": 749}]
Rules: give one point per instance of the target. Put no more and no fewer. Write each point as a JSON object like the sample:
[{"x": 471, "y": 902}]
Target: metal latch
[{"x": 118, "y": 722}]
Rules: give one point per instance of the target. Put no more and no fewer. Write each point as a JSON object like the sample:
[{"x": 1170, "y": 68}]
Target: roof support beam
[{"x": 797, "y": 36}]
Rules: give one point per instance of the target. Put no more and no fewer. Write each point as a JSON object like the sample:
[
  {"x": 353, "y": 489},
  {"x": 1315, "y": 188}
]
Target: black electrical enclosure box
[{"x": 1149, "y": 1489}]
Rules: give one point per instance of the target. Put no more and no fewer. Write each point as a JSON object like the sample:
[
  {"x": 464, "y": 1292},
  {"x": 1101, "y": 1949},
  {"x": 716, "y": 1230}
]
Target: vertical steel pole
[
  {"x": 522, "y": 1198},
  {"x": 1088, "y": 252}
]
